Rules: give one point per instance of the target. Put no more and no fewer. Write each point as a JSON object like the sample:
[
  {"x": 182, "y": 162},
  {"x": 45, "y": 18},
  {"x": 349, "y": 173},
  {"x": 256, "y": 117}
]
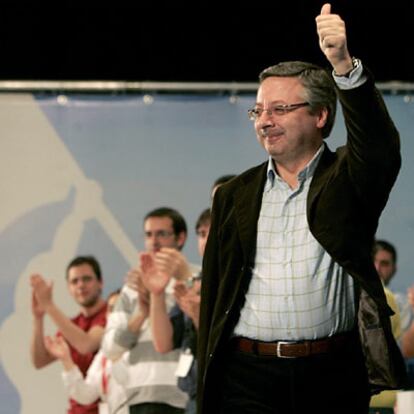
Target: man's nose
[
  {"x": 265, "y": 121},
  {"x": 153, "y": 243}
]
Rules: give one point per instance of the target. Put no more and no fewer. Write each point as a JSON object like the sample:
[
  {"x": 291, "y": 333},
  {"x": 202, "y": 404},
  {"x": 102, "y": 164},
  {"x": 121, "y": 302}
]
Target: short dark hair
[
  {"x": 90, "y": 260},
  {"x": 387, "y": 246},
  {"x": 179, "y": 224},
  {"x": 203, "y": 219},
  {"x": 223, "y": 179},
  {"x": 318, "y": 83}
]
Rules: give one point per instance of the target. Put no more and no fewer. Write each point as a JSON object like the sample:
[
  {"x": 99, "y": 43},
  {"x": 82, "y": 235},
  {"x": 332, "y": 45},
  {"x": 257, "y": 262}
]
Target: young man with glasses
[
  {"x": 293, "y": 315},
  {"x": 151, "y": 384},
  {"x": 82, "y": 333},
  {"x": 177, "y": 329}
]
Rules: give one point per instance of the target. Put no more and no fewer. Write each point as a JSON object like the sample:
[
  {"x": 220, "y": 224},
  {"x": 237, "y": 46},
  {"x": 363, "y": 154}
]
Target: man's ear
[
  {"x": 181, "y": 238},
  {"x": 322, "y": 118}
]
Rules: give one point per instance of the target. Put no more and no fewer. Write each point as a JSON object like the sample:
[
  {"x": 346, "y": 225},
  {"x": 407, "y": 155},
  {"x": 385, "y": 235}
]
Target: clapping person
[
  {"x": 151, "y": 384},
  {"x": 99, "y": 382},
  {"x": 178, "y": 328},
  {"x": 82, "y": 333}
]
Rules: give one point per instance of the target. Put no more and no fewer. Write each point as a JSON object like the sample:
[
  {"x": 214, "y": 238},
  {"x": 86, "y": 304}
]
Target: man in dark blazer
[{"x": 293, "y": 314}]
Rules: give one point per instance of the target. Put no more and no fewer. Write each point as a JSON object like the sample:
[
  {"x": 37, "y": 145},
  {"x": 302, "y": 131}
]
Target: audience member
[
  {"x": 82, "y": 333},
  {"x": 99, "y": 382},
  {"x": 385, "y": 260},
  {"x": 386, "y": 400},
  {"x": 151, "y": 385},
  {"x": 179, "y": 328}
]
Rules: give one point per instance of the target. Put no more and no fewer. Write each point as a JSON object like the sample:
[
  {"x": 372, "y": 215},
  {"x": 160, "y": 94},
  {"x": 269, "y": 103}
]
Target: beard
[{"x": 92, "y": 301}]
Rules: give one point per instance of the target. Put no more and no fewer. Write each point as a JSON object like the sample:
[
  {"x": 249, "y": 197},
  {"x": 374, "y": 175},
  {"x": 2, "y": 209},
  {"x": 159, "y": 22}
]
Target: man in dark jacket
[{"x": 293, "y": 314}]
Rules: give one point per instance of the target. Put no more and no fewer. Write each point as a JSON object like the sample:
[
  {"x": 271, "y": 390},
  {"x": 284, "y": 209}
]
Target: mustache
[
  {"x": 264, "y": 132},
  {"x": 267, "y": 131}
]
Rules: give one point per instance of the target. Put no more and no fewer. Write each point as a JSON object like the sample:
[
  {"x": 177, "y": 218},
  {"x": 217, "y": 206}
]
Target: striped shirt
[
  {"x": 297, "y": 291},
  {"x": 146, "y": 375}
]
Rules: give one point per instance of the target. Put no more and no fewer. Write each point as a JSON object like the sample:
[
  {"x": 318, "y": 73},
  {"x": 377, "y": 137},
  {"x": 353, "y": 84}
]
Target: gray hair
[{"x": 319, "y": 87}]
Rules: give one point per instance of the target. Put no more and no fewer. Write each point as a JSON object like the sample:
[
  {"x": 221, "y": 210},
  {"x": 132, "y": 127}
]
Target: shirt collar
[{"x": 303, "y": 175}]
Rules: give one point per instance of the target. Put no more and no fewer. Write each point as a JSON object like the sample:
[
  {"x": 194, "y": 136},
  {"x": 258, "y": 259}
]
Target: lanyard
[{"x": 105, "y": 377}]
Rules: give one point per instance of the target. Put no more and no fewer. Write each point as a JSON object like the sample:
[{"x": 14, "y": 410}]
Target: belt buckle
[{"x": 278, "y": 345}]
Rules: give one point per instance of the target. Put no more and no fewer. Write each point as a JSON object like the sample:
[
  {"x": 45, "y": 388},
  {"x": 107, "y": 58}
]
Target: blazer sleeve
[{"x": 373, "y": 144}]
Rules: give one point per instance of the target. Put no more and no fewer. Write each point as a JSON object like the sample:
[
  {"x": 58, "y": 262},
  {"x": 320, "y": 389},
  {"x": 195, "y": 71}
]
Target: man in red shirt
[{"x": 84, "y": 332}]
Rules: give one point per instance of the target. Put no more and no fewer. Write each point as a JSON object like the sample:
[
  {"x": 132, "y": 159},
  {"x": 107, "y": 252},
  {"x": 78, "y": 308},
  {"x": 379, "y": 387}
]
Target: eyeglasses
[
  {"x": 160, "y": 234},
  {"x": 278, "y": 110}
]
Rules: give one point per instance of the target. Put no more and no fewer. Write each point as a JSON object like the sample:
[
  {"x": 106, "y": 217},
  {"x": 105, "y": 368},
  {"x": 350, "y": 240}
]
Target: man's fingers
[{"x": 326, "y": 9}]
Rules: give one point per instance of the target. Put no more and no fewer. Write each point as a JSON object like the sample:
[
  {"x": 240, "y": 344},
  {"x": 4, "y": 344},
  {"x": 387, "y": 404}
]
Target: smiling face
[
  {"x": 295, "y": 135},
  {"x": 83, "y": 285}
]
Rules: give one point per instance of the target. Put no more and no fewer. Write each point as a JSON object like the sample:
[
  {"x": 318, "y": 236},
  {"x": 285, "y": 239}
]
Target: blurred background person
[{"x": 82, "y": 333}]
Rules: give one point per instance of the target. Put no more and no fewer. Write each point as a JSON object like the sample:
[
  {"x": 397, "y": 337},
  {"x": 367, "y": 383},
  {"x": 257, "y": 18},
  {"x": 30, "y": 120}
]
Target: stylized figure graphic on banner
[{"x": 41, "y": 174}]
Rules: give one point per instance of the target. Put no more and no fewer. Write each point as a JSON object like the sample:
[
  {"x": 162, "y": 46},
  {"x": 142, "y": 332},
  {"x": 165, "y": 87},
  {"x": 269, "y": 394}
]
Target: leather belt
[{"x": 291, "y": 349}]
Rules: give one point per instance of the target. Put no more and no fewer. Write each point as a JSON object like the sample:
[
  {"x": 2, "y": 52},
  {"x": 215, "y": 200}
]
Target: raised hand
[
  {"x": 133, "y": 279},
  {"x": 188, "y": 299},
  {"x": 42, "y": 292},
  {"x": 172, "y": 262},
  {"x": 37, "y": 310},
  {"x": 332, "y": 40},
  {"x": 57, "y": 347},
  {"x": 153, "y": 278}
]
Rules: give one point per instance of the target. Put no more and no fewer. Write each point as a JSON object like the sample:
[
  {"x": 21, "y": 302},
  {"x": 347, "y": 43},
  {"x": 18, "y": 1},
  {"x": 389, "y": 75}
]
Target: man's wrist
[
  {"x": 346, "y": 69},
  {"x": 48, "y": 307},
  {"x": 38, "y": 319}
]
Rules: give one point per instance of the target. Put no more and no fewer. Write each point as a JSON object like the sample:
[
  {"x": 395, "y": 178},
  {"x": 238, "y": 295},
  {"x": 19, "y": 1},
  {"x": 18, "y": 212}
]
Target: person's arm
[
  {"x": 162, "y": 329},
  {"x": 332, "y": 40},
  {"x": 80, "y": 389},
  {"x": 373, "y": 156},
  {"x": 188, "y": 299},
  {"x": 83, "y": 342},
  {"x": 156, "y": 273},
  {"x": 39, "y": 354},
  {"x": 124, "y": 323},
  {"x": 58, "y": 347},
  {"x": 407, "y": 341},
  {"x": 141, "y": 313},
  {"x": 83, "y": 390}
]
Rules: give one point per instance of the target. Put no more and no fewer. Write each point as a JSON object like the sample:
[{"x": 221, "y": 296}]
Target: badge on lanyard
[{"x": 184, "y": 363}]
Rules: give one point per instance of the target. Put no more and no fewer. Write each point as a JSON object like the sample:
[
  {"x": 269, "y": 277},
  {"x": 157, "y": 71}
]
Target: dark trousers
[
  {"x": 321, "y": 384},
  {"x": 154, "y": 408}
]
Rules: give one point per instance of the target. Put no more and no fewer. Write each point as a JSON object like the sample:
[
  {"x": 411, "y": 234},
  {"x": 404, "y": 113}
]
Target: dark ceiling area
[{"x": 205, "y": 44}]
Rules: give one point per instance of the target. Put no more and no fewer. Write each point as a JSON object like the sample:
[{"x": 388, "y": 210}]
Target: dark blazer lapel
[
  {"x": 319, "y": 179},
  {"x": 247, "y": 202}
]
